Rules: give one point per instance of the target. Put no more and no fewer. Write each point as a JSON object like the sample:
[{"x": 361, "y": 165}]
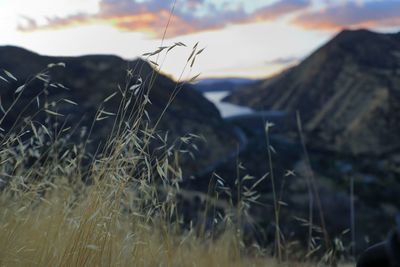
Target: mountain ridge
[{"x": 347, "y": 92}]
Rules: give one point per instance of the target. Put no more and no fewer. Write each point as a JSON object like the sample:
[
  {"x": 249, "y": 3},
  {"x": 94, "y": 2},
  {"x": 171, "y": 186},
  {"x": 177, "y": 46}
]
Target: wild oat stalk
[{"x": 278, "y": 244}]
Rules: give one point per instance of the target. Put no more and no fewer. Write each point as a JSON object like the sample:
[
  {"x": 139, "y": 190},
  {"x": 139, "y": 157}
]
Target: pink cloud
[
  {"x": 351, "y": 15},
  {"x": 281, "y": 8}
]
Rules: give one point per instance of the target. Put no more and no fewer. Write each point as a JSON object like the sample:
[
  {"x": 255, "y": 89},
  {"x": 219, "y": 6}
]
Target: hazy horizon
[{"x": 251, "y": 39}]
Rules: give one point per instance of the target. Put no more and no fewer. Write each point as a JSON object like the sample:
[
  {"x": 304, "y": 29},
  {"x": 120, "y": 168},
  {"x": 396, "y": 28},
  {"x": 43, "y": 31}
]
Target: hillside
[
  {"x": 221, "y": 84},
  {"x": 347, "y": 92},
  {"x": 90, "y": 80}
]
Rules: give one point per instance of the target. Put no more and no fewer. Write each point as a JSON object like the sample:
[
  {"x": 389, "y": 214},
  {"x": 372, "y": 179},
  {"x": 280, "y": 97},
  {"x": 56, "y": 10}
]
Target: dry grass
[
  {"x": 61, "y": 230},
  {"x": 126, "y": 216}
]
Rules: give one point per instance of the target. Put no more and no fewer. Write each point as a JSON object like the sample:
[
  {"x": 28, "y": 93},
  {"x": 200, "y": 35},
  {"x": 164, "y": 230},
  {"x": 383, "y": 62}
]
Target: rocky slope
[
  {"x": 347, "y": 92},
  {"x": 90, "y": 80}
]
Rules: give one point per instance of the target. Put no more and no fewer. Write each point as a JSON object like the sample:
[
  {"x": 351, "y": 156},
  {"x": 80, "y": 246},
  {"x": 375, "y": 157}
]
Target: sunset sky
[{"x": 249, "y": 38}]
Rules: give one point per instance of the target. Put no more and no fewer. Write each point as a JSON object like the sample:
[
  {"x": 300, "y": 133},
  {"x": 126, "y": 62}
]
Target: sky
[{"x": 246, "y": 38}]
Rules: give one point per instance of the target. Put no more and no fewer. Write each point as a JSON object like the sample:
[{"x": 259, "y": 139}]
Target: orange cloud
[
  {"x": 153, "y": 23},
  {"x": 152, "y": 16}
]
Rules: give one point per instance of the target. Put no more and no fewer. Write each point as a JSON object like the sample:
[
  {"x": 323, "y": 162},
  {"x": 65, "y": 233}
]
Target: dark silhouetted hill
[{"x": 90, "y": 80}]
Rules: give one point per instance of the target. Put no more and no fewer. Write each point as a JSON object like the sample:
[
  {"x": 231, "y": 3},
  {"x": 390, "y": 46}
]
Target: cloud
[
  {"x": 352, "y": 15},
  {"x": 281, "y": 8},
  {"x": 152, "y": 16},
  {"x": 28, "y": 23},
  {"x": 284, "y": 60},
  {"x": 193, "y": 3}
]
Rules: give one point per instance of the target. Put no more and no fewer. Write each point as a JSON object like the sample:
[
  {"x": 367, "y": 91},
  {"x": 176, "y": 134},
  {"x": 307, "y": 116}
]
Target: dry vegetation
[{"x": 121, "y": 209}]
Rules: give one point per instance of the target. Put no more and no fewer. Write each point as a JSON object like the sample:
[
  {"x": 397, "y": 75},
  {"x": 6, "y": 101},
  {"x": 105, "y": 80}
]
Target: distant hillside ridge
[
  {"x": 347, "y": 92},
  {"x": 221, "y": 84}
]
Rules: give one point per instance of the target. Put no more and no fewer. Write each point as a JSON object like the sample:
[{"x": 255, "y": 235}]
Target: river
[{"x": 226, "y": 109}]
